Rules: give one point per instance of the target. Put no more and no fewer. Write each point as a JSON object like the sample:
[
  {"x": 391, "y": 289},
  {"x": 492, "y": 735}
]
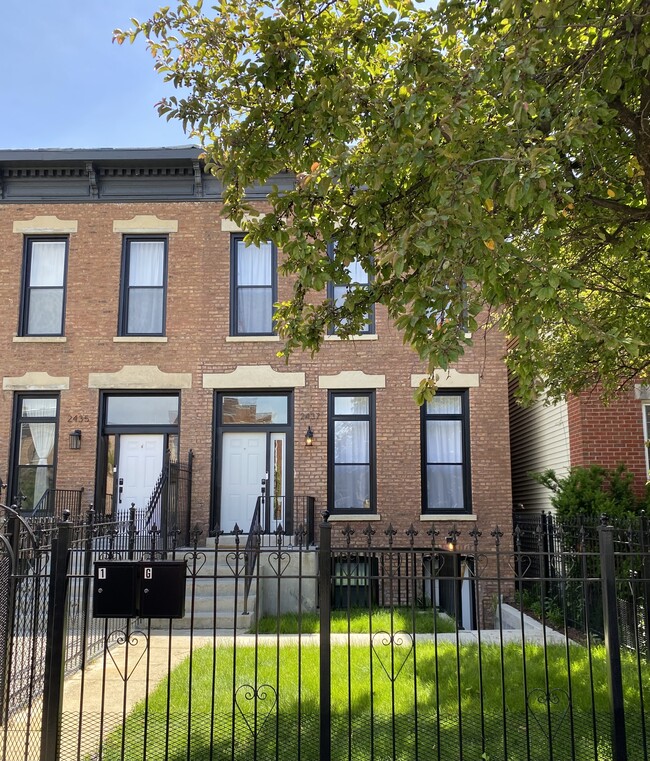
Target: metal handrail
[
  {"x": 252, "y": 549},
  {"x": 48, "y": 504}
]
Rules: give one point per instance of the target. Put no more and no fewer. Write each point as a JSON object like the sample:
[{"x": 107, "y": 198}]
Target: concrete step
[{"x": 204, "y": 621}]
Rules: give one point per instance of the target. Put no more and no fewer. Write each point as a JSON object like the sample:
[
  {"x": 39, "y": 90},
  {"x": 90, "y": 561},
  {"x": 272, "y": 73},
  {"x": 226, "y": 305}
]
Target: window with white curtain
[
  {"x": 445, "y": 453},
  {"x": 43, "y": 305},
  {"x": 359, "y": 278},
  {"x": 34, "y": 450},
  {"x": 351, "y": 451},
  {"x": 254, "y": 287},
  {"x": 144, "y": 282}
]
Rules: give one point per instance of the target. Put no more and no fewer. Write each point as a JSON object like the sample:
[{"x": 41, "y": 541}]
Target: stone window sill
[
  {"x": 39, "y": 339},
  {"x": 140, "y": 339}
]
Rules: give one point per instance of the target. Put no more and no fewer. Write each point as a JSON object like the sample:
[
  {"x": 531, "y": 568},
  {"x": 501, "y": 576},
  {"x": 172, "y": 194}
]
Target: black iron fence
[
  {"x": 560, "y": 555},
  {"x": 370, "y": 644},
  {"x": 54, "y": 503}
]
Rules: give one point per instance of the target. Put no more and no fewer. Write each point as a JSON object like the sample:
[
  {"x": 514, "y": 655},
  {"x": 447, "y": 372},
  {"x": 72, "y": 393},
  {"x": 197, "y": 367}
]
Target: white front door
[
  {"x": 141, "y": 460},
  {"x": 243, "y": 466}
]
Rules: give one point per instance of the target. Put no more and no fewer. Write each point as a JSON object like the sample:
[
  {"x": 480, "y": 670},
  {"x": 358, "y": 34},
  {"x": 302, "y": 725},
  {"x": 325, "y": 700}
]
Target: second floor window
[
  {"x": 144, "y": 278},
  {"x": 359, "y": 278},
  {"x": 43, "y": 304},
  {"x": 253, "y": 288}
]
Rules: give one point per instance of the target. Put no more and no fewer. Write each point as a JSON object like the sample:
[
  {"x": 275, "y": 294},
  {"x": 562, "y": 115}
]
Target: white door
[
  {"x": 243, "y": 466},
  {"x": 141, "y": 460}
]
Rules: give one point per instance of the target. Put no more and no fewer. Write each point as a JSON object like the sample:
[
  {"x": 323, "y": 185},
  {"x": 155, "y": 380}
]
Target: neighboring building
[
  {"x": 578, "y": 431},
  {"x": 136, "y": 321}
]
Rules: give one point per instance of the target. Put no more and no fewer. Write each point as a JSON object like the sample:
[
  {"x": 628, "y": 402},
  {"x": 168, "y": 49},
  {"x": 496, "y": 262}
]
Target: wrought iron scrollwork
[
  {"x": 251, "y": 702},
  {"x": 132, "y": 639},
  {"x": 400, "y": 644},
  {"x": 549, "y": 709}
]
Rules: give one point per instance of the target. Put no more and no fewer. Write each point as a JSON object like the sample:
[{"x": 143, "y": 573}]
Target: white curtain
[
  {"x": 352, "y": 464},
  {"x": 43, "y": 438},
  {"x": 46, "y": 273},
  {"x": 254, "y": 288},
  {"x": 146, "y": 262},
  {"x": 47, "y": 263},
  {"x": 444, "y": 468},
  {"x": 146, "y": 281}
]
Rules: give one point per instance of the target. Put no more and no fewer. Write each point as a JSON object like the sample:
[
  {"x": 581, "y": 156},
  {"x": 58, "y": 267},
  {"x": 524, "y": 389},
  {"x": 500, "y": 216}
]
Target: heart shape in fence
[
  {"x": 520, "y": 564},
  {"x": 548, "y": 707},
  {"x": 194, "y": 562},
  {"x": 401, "y": 647},
  {"x": 254, "y": 705},
  {"x": 279, "y": 562},
  {"x": 480, "y": 565},
  {"x": 236, "y": 561},
  {"x": 137, "y": 644}
]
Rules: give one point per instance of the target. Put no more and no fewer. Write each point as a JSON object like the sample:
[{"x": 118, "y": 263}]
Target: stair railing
[{"x": 252, "y": 549}]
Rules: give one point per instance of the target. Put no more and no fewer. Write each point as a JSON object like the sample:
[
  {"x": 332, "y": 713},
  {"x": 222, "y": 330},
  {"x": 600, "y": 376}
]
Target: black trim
[
  {"x": 26, "y": 288},
  {"x": 103, "y": 431},
  {"x": 218, "y": 429},
  {"x": 234, "y": 301},
  {"x": 17, "y": 419},
  {"x": 466, "y": 464},
  {"x": 372, "y": 453},
  {"x": 125, "y": 287}
]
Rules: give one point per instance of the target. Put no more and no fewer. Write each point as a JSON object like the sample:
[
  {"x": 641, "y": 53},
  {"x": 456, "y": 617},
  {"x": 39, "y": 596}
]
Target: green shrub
[{"x": 593, "y": 491}]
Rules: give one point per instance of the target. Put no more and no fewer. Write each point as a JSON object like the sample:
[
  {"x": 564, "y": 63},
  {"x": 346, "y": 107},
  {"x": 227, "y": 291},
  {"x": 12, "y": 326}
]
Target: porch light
[
  {"x": 75, "y": 439},
  {"x": 309, "y": 437}
]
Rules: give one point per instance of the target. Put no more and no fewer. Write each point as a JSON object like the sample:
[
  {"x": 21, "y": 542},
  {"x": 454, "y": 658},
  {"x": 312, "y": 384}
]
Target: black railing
[
  {"x": 561, "y": 553},
  {"x": 55, "y": 502},
  {"x": 169, "y": 506},
  {"x": 252, "y": 549},
  {"x": 402, "y": 645}
]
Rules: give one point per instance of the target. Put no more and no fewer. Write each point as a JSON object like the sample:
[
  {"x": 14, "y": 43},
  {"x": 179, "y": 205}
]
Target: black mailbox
[
  {"x": 162, "y": 589},
  {"x": 115, "y": 590},
  {"x": 130, "y": 589}
]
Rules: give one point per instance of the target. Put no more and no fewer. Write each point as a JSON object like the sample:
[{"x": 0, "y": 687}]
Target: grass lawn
[
  {"x": 355, "y": 621},
  {"x": 382, "y": 707}
]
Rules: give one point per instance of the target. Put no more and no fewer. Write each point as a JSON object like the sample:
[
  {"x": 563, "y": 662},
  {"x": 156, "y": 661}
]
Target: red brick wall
[
  {"x": 197, "y": 325},
  {"x": 608, "y": 435}
]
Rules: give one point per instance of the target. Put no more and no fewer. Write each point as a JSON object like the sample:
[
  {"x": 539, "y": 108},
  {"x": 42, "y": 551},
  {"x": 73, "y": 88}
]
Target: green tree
[{"x": 487, "y": 162}]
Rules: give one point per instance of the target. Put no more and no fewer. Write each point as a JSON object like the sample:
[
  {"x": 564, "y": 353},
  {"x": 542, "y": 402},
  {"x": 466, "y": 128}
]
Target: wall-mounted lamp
[
  {"x": 309, "y": 437},
  {"x": 75, "y": 439}
]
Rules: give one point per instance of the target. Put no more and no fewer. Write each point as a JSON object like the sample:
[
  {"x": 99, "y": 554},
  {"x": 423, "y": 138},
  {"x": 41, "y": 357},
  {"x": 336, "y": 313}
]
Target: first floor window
[
  {"x": 445, "y": 453},
  {"x": 144, "y": 278},
  {"x": 35, "y": 434},
  {"x": 351, "y": 451},
  {"x": 44, "y": 287}
]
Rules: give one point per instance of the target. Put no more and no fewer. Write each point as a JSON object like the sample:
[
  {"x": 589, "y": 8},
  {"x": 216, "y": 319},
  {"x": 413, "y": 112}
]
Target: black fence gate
[{"x": 362, "y": 644}]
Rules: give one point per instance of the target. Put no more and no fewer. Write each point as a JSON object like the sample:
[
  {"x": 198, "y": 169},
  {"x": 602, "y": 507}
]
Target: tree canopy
[{"x": 488, "y": 163}]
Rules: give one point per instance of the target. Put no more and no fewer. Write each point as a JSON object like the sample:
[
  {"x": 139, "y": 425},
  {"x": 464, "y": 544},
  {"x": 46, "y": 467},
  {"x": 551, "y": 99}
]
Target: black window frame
[
  {"x": 26, "y": 290},
  {"x": 370, "y": 329},
  {"x": 123, "y": 318},
  {"x": 372, "y": 447},
  {"x": 463, "y": 417},
  {"x": 18, "y": 419},
  {"x": 236, "y": 238}
]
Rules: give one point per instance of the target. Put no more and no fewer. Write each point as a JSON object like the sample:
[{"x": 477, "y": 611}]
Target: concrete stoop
[{"x": 214, "y": 597}]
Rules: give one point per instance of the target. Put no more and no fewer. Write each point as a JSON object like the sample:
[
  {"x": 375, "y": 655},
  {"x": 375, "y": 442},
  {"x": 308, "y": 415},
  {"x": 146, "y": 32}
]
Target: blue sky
[{"x": 64, "y": 84}]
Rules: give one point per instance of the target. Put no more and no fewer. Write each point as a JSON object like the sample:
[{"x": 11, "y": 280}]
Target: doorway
[
  {"x": 135, "y": 432},
  {"x": 139, "y": 466},
  {"x": 253, "y": 451}
]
